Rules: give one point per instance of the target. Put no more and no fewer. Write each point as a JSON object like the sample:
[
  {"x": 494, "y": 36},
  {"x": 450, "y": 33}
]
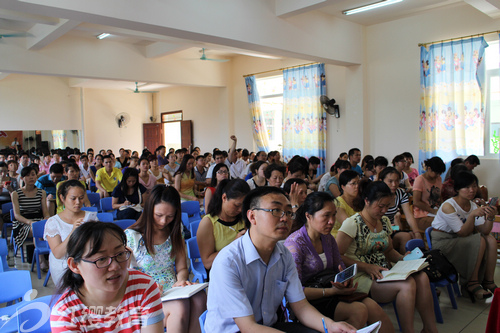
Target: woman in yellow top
[
  {"x": 223, "y": 222},
  {"x": 348, "y": 181},
  {"x": 184, "y": 179}
]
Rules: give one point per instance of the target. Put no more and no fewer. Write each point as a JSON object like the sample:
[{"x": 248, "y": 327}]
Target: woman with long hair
[
  {"x": 98, "y": 285},
  {"x": 129, "y": 196},
  {"x": 314, "y": 250},
  {"x": 184, "y": 179},
  {"x": 364, "y": 239},
  {"x": 59, "y": 227},
  {"x": 221, "y": 172},
  {"x": 223, "y": 222},
  {"x": 158, "y": 250}
]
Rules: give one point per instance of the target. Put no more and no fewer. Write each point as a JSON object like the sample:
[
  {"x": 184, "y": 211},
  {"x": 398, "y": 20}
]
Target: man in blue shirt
[
  {"x": 48, "y": 184},
  {"x": 250, "y": 276},
  {"x": 354, "y": 159}
]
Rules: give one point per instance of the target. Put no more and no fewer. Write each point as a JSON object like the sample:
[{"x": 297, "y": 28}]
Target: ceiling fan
[
  {"x": 204, "y": 57},
  {"x": 137, "y": 91},
  {"x": 17, "y": 34}
]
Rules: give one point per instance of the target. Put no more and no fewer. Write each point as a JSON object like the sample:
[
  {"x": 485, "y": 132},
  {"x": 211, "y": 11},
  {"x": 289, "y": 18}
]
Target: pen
[{"x": 324, "y": 325}]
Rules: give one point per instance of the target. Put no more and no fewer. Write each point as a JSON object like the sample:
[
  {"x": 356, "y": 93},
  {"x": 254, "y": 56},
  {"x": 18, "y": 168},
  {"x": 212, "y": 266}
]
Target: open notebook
[
  {"x": 373, "y": 328},
  {"x": 183, "y": 292},
  {"x": 403, "y": 269}
]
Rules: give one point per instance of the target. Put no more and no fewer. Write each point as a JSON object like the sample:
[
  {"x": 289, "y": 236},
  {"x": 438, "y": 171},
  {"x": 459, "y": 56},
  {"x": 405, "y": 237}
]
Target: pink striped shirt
[{"x": 141, "y": 306}]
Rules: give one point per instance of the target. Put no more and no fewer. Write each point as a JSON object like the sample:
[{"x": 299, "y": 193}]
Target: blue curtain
[
  {"x": 304, "y": 119},
  {"x": 260, "y": 133},
  {"x": 452, "y": 99}
]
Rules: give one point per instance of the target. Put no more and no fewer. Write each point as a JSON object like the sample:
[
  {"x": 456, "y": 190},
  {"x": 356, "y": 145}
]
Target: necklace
[{"x": 366, "y": 220}]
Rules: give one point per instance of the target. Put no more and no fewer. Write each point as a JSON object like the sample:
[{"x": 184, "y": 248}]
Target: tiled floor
[{"x": 468, "y": 318}]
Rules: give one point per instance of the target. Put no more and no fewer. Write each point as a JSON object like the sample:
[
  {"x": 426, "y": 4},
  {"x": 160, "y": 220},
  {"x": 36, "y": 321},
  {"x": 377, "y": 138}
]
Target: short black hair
[
  {"x": 380, "y": 161},
  {"x": 217, "y": 153},
  {"x": 288, "y": 184},
  {"x": 464, "y": 179},
  {"x": 56, "y": 168},
  {"x": 353, "y": 151},
  {"x": 472, "y": 159},
  {"x": 245, "y": 153},
  {"x": 252, "y": 200},
  {"x": 314, "y": 160},
  {"x": 274, "y": 167}
]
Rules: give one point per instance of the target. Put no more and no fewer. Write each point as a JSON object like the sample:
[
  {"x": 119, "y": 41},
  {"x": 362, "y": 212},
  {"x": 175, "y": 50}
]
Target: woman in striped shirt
[{"x": 99, "y": 292}]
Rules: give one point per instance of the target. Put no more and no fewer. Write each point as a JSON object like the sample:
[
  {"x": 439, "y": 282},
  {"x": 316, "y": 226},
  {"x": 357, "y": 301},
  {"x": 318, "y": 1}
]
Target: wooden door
[
  {"x": 153, "y": 136},
  {"x": 186, "y": 134}
]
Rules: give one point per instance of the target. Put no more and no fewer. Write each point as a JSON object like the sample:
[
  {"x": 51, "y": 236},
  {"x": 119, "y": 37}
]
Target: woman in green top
[
  {"x": 223, "y": 222},
  {"x": 349, "y": 181}
]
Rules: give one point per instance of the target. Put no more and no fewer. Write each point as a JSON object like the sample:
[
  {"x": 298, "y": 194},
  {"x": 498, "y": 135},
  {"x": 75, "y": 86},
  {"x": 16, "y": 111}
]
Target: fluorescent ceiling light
[
  {"x": 103, "y": 35},
  {"x": 370, "y": 7}
]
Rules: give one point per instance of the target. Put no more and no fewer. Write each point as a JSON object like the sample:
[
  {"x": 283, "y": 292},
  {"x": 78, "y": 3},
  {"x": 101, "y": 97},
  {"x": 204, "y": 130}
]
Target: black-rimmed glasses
[
  {"x": 276, "y": 212},
  {"x": 106, "y": 261}
]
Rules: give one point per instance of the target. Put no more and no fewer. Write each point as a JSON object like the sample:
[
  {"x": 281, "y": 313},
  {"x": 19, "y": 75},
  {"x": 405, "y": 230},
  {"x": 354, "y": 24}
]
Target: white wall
[
  {"x": 392, "y": 79},
  {"x": 30, "y": 102}
]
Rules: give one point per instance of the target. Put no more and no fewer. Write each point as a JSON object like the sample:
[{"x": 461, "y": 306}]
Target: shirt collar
[{"x": 251, "y": 253}]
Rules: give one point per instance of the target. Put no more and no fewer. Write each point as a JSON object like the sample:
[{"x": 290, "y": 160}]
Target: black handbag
[
  {"x": 322, "y": 280},
  {"x": 439, "y": 266}
]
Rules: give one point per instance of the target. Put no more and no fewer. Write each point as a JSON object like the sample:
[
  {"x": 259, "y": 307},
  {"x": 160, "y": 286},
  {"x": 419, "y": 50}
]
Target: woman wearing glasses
[
  {"x": 159, "y": 251},
  {"x": 223, "y": 222},
  {"x": 99, "y": 292},
  {"x": 221, "y": 172}
]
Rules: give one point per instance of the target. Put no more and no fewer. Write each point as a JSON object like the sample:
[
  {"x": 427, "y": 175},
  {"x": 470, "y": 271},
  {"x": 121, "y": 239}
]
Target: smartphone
[
  {"x": 415, "y": 254},
  {"x": 346, "y": 274},
  {"x": 91, "y": 216},
  {"x": 492, "y": 203}
]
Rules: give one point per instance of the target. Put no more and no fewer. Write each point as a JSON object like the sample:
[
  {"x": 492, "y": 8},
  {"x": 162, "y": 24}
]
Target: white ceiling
[{"x": 20, "y": 22}]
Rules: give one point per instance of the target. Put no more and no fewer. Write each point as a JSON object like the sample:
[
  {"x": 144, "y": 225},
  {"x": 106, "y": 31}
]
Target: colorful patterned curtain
[
  {"x": 260, "y": 134},
  {"x": 452, "y": 99},
  {"x": 304, "y": 119}
]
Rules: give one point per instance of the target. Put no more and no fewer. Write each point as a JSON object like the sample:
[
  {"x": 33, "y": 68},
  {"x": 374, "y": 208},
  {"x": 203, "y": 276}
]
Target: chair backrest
[
  {"x": 105, "y": 217},
  {"x": 202, "y": 319},
  {"x": 6, "y": 207},
  {"x": 193, "y": 227},
  {"x": 94, "y": 199},
  {"x": 14, "y": 285},
  {"x": 413, "y": 243},
  {"x": 125, "y": 223},
  {"x": 428, "y": 237},
  {"x": 185, "y": 219},
  {"x": 34, "y": 316},
  {"x": 4, "y": 250},
  {"x": 106, "y": 204},
  {"x": 192, "y": 248},
  {"x": 192, "y": 208},
  {"x": 38, "y": 229},
  {"x": 12, "y": 216},
  {"x": 89, "y": 209}
]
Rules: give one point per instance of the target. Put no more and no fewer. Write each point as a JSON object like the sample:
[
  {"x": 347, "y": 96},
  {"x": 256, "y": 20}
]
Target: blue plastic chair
[
  {"x": 105, "y": 217},
  {"x": 202, "y": 319},
  {"x": 90, "y": 209},
  {"x": 4, "y": 251},
  {"x": 6, "y": 207},
  {"x": 197, "y": 267},
  {"x": 13, "y": 287},
  {"x": 193, "y": 227},
  {"x": 30, "y": 314},
  {"x": 192, "y": 208},
  {"x": 451, "y": 287},
  {"x": 106, "y": 206},
  {"x": 94, "y": 199},
  {"x": 185, "y": 219},
  {"x": 125, "y": 223},
  {"x": 41, "y": 246}
]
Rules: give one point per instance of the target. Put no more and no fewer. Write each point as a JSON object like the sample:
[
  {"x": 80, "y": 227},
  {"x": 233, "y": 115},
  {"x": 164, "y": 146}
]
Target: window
[
  {"x": 492, "y": 116},
  {"x": 271, "y": 102},
  {"x": 172, "y": 129}
]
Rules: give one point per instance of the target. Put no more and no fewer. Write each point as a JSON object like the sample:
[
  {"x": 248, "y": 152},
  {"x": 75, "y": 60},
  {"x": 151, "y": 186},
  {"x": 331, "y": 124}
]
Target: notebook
[
  {"x": 183, "y": 292},
  {"x": 403, "y": 269}
]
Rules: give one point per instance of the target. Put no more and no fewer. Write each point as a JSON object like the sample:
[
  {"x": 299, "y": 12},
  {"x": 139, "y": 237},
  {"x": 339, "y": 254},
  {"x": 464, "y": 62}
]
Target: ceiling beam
[
  {"x": 161, "y": 49},
  {"x": 489, "y": 7},
  {"x": 27, "y": 18},
  {"x": 288, "y": 8},
  {"x": 46, "y": 34}
]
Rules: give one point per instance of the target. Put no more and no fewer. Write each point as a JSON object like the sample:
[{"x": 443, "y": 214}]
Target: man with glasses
[{"x": 250, "y": 276}]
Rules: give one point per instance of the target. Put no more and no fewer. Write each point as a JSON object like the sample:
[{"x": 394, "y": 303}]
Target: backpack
[{"x": 439, "y": 266}]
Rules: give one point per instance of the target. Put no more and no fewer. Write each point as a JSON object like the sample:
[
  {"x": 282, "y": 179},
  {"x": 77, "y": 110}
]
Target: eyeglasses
[
  {"x": 106, "y": 261},
  {"x": 222, "y": 172},
  {"x": 276, "y": 212}
]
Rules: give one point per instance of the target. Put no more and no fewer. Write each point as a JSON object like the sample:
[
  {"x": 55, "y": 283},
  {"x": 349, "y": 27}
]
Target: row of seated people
[{"x": 296, "y": 185}]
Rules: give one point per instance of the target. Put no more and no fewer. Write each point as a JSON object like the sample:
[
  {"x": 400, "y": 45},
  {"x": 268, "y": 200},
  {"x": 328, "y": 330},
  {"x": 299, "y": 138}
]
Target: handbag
[
  {"x": 439, "y": 266},
  {"x": 321, "y": 280}
]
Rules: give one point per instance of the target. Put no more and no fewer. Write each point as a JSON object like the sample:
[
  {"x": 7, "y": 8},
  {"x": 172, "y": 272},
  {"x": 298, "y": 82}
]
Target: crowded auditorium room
[{"x": 247, "y": 166}]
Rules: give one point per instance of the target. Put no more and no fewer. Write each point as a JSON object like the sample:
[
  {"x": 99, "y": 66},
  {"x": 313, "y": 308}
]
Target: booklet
[
  {"x": 403, "y": 269},
  {"x": 373, "y": 328},
  {"x": 183, "y": 292}
]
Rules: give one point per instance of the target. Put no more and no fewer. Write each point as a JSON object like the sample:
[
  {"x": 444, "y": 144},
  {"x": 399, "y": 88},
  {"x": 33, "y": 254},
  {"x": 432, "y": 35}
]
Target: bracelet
[{"x": 323, "y": 292}]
